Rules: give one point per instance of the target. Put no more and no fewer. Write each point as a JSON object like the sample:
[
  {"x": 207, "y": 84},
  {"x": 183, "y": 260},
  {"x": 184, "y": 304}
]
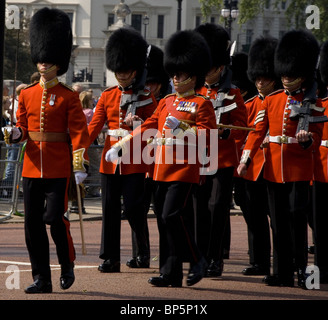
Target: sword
[
  {"x": 79, "y": 203},
  {"x": 228, "y": 126}
]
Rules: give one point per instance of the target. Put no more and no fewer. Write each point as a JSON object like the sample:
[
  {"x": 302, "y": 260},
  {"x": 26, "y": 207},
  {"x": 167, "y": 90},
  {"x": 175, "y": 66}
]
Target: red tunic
[
  {"x": 285, "y": 162},
  {"x": 109, "y": 111},
  {"x": 253, "y": 105},
  {"x": 321, "y": 156},
  {"x": 61, "y": 113},
  {"x": 233, "y": 112},
  {"x": 179, "y": 162}
]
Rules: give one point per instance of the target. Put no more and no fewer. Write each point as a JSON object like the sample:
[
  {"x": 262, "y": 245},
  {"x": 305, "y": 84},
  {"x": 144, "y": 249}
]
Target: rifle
[{"x": 304, "y": 113}]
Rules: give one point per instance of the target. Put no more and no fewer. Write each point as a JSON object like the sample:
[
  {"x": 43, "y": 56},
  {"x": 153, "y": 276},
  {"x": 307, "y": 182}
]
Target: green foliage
[
  {"x": 25, "y": 67},
  {"x": 295, "y": 12}
]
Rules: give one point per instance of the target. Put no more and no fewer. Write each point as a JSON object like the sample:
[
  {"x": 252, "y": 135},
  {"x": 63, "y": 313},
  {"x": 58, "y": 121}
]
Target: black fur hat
[
  {"x": 324, "y": 63},
  {"x": 155, "y": 68},
  {"x": 187, "y": 51},
  {"x": 261, "y": 58},
  {"x": 297, "y": 55},
  {"x": 126, "y": 50},
  {"x": 218, "y": 41},
  {"x": 51, "y": 38}
]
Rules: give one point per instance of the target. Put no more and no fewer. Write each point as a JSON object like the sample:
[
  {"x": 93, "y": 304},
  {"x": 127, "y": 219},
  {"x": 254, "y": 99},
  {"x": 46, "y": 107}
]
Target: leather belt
[
  {"x": 170, "y": 142},
  {"x": 118, "y": 133},
  {"x": 282, "y": 139},
  {"x": 48, "y": 136},
  {"x": 324, "y": 143}
]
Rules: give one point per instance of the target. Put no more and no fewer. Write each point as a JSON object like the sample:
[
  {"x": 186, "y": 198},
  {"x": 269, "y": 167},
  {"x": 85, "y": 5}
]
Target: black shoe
[
  {"x": 301, "y": 278},
  {"x": 139, "y": 262},
  {"x": 132, "y": 263},
  {"x": 110, "y": 266},
  {"x": 39, "y": 286},
  {"x": 67, "y": 276},
  {"x": 197, "y": 272},
  {"x": 275, "y": 281},
  {"x": 255, "y": 270},
  {"x": 215, "y": 269},
  {"x": 165, "y": 281}
]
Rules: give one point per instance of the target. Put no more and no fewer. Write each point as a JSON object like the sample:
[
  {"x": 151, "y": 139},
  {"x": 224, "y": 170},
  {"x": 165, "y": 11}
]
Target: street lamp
[
  {"x": 146, "y": 23},
  {"x": 230, "y": 12}
]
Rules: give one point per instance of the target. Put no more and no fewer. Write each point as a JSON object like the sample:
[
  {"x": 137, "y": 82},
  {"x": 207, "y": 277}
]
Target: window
[
  {"x": 198, "y": 21},
  {"x": 136, "y": 21},
  {"x": 110, "y": 19},
  {"x": 160, "y": 26}
]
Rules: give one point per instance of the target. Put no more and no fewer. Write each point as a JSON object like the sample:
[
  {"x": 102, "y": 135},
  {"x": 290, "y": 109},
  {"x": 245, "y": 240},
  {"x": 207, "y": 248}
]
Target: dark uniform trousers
[
  {"x": 320, "y": 223},
  {"x": 213, "y": 209},
  {"x": 173, "y": 203},
  {"x": 44, "y": 204},
  {"x": 256, "y": 214},
  {"x": 289, "y": 205},
  {"x": 131, "y": 187}
]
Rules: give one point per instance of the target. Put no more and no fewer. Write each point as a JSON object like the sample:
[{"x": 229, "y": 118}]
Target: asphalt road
[{"x": 130, "y": 287}]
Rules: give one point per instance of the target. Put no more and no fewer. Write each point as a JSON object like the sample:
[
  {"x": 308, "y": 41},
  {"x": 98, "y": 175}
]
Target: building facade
[{"x": 94, "y": 20}]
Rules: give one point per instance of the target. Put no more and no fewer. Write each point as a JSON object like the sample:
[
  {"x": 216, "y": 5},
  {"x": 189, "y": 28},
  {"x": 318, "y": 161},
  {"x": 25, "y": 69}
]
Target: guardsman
[
  {"x": 320, "y": 184},
  {"x": 215, "y": 194},
  {"x": 50, "y": 118},
  {"x": 261, "y": 73},
  {"x": 122, "y": 107},
  {"x": 159, "y": 84},
  {"x": 179, "y": 122},
  {"x": 288, "y": 168}
]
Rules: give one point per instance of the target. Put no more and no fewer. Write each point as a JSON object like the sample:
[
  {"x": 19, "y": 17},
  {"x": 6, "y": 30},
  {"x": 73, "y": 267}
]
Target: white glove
[
  {"x": 80, "y": 176},
  {"x": 111, "y": 155},
  {"x": 172, "y": 122},
  {"x": 10, "y": 134}
]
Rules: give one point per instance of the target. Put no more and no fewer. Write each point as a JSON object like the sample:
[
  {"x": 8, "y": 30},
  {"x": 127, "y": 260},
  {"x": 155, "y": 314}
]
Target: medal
[{"x": 52, "y": 99}]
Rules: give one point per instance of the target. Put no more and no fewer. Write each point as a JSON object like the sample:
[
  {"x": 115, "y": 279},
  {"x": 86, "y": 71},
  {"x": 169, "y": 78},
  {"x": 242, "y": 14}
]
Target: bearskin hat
[
  {"x": 324, "y": 63},
  {"x": 261, "y": 58},
  {"x": 187, "y": 51},
  {"x": 239, "y": 66},
  {"x": 297, "y": 55},
  {"x": 126, "y": 50},
  {"x": 51, "y": 38},
  {"x": 218, "y": 41},
  {"x": 155, "y": 68}
]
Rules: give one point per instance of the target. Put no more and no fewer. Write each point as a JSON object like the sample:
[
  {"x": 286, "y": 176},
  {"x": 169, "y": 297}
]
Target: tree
[
  {"x": 295, "y": 12},
  {"x": 14, "y": 39}
]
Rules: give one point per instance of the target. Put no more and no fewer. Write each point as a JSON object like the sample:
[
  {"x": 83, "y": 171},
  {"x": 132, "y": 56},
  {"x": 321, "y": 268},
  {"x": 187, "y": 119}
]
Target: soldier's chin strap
[{"x": 52, "y": 68}]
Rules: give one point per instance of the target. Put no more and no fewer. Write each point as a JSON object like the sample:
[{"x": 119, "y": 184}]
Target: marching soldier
[
  {"x": 159, "y": 84},
  {"x": 50, "y": 117},
  {"x": 288, "y": 168},
  {"x": 261, "y": 72},
  {"x": 119, "y": 107},
  {"x": 177, "y": 120},
  {"x": 215, "y": 195},
  {"x": 320, "y": 184}
]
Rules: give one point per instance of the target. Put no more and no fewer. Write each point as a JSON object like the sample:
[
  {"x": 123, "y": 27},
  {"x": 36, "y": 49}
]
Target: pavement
[{"x": 130, "y": 287}]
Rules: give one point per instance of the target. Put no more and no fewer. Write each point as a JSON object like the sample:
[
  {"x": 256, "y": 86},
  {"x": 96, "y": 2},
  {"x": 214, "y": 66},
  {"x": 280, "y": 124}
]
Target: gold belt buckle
[{"x": 283, "y": 139}]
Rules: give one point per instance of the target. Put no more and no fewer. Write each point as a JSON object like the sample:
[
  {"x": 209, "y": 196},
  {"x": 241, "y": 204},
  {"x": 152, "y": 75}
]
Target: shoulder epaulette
[
  {"x": 31, "y": 85},
  {"x": 275, "y": 92},
  {"x": 67, "y": 86},
  {"x": 110, "y": 88},
  {"x": 251, "y": 99},
  {"x": 170, "y": 94},
  {"x": 201, "y": 96}
]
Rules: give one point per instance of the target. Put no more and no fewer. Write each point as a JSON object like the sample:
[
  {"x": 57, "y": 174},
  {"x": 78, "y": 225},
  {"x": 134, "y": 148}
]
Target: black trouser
[
  {"x": 177, "y": 244},
  {"x": 256, "y": 214},
  {"x": 320, "y": 225},
  {"x": 218, "y": 200},
  {"x": 45, "y": 202},
  {"x": 288, "y": 205},
  {"x": 131, "y": 187}
]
